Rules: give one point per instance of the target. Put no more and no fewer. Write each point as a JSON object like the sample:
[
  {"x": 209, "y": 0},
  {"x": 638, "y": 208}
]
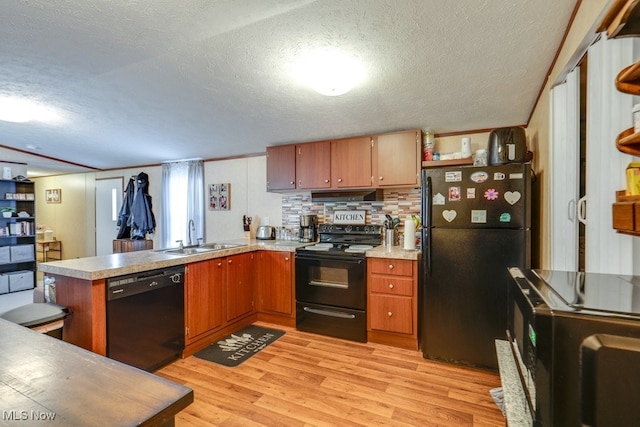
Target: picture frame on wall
[
  {"x": 219, "y": 197},
  {"x": 53, "y": 195}
]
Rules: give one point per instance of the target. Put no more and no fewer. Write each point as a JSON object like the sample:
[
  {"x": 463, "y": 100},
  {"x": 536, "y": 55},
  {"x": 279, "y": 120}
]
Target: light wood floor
[{"x": 310, "y": 380}]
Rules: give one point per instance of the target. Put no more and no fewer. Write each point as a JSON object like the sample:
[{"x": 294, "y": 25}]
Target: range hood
[{"x": 347, "y": 196}]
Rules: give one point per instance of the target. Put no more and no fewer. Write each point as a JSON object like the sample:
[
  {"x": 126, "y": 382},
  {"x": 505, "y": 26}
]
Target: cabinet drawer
[
  {"x": 391, "y": 313},
  {"x": 396, "y": 267},
  {"x": 391, "y": 285}
]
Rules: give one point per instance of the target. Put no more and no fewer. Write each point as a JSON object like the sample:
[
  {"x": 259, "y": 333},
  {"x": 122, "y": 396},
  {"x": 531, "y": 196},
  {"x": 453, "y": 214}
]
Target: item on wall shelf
[
  {"x": 219, "y": 197},
  {"x": 6, "y": 173},
  {"x": 465, "y": 147},
  {"x": 52, "y": 195}
]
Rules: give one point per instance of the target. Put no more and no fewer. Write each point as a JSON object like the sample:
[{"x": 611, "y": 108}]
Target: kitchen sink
[
  {"x": 219, "y": 246},
  {"x": 185, "y": 251},
  {"x": 193, "y": 250}
]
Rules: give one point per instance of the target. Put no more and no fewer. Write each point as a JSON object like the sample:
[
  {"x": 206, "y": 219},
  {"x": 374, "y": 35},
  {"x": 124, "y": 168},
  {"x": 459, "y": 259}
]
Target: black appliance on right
[
  {"x": 476, "y": 222},
  {"x": 575, "y": 340}
]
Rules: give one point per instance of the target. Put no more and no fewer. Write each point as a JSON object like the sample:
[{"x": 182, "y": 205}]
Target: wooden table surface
[{"x": 43, "y": 378}]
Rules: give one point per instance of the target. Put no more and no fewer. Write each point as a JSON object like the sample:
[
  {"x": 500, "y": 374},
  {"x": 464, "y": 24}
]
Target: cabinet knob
[
  {"x": 390, "y": 285},
  {"x": 230, "y": 261},
  {"x": 219, "y": 264},
  {"x": 326, "y": 181},
  {"x": 286, "y": 258},
  {"x": 381, "y": 178},
  {"x": 389, "y": 314},
  {"x": 390, "y": 266},
  {"x": 339, "y": 179},
  {"x": 291, "y": 182}
]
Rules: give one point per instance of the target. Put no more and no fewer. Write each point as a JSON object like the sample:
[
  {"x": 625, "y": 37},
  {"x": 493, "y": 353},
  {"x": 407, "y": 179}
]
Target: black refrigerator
[{"x": 476, "y": 223}]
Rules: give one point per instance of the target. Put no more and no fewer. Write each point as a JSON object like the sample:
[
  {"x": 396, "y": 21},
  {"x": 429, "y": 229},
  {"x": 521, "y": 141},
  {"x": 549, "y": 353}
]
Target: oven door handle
[
  {"x": 329, "y": 284},
  {"x": 330, "y": 313},
  {"x": 328, "y": 258}
]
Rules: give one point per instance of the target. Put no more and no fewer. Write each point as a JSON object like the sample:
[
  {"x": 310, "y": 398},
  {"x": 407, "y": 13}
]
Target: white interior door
[
  {"x": 608, "y": 113},
  {"x": 108, "y": 201},
  {"x": 565, "y": 173}
]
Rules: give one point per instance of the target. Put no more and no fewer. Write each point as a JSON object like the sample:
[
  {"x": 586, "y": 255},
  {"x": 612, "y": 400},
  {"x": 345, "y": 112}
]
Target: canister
[
  {"x": 636, "y": 118},
  {"x": 633, "y": 179}
]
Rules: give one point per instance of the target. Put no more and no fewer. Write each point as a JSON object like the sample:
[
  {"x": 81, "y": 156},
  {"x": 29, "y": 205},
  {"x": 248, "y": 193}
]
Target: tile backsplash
[{"x": 397, "y": 203}]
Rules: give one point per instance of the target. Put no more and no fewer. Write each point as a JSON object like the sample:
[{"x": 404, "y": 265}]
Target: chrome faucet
[
  {"x": 181, "y": 246},
  {"x": 192, "y": 227}
]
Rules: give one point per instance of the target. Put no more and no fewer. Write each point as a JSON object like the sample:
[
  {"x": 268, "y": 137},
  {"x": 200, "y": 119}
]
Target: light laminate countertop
[{"x": 106, "y": 266}]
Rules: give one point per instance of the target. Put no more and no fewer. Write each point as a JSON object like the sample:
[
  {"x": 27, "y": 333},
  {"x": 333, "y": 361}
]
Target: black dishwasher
[{"x": 145, "y": 318}]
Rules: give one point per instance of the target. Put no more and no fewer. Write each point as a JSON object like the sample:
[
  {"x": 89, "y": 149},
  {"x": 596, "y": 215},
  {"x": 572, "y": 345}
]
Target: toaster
[{"x": 266, "y": 232}]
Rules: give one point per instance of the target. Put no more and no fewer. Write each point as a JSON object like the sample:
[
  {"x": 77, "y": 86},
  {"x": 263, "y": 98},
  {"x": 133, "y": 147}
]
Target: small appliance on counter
[
  {"x": 507, "y": 145},
  {"x": 266, "y": 232},
  {"x": 308, "y": 228}
]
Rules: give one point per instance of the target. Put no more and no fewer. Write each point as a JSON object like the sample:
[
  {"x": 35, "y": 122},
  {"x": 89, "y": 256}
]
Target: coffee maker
[{"x": 308, "y": 228}]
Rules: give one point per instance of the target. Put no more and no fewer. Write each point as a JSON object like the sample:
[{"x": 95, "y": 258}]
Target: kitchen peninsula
[
  {"x": 43, "y": 379},
  {"x": 81, "y": 285}
]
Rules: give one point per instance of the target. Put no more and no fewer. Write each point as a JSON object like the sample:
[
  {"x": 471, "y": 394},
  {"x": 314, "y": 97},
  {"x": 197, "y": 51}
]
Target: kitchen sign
[{"x": 349, "y": 217}]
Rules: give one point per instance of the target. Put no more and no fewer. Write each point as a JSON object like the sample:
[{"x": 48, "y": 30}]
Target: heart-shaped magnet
[
  {"x": 449, "y": 215},
  {"x": 512, "y": 197}
]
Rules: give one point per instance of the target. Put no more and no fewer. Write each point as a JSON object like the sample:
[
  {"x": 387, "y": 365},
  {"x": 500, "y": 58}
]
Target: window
[{"x": 182, "y": 202}]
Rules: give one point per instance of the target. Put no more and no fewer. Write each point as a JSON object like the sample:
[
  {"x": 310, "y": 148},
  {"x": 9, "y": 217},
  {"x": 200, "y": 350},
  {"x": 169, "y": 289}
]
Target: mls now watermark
[{"x": 32, "y": 415}]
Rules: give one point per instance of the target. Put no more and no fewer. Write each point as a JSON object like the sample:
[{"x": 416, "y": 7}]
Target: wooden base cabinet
[
  {"x": 240, "y": 290},
  {"x": 276, "y": 299},
  {"x": 392, "y": 312},
  {"x": 204, "y": 298},
  {"x": 219, "y": 299}
]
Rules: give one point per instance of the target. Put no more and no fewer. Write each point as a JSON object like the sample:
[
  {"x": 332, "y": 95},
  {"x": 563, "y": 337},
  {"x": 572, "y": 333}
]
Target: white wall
[
  {"x": 73, "y": 220},
  {"x": 247, "y": 179}
]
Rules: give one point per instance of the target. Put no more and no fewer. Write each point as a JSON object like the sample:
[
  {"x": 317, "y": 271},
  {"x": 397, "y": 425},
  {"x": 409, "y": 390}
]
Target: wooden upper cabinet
[
  {"x": 371, "y": 161},
  {"x": 396, "y": 159},
  {"x": 313, "y": 165},
  {"x": 281, "y": 167},
  {"x": 351, "y": 162}
]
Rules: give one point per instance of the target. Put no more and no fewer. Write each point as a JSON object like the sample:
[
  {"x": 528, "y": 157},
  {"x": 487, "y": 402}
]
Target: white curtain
[
  {"x": 183, "y": 202},
  {"x": 565, "y": 172},
  {"x": 608, "y": 114}
]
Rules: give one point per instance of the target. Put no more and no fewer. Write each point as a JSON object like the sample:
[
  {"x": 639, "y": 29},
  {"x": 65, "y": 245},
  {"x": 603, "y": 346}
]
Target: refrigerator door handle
[{"x": 426, "y": 223}]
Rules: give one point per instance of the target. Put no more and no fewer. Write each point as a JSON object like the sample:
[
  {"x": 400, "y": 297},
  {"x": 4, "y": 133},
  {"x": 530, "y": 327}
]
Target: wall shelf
[
  {"x": 622, "y": 19},
  {"x": 628, "y": 142}
]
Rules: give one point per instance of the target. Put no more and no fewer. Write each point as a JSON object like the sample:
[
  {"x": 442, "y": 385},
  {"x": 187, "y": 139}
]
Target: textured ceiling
[{"x": 145, "y": 82}]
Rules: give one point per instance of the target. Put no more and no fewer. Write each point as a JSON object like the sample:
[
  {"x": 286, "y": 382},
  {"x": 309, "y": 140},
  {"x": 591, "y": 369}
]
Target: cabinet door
[
  {"x": 281, "y": 167},
  {"x": 313, "y": 165},
  {"x": 351, "y": 162},
  {"x": 391, "y": 313},
  {"x": 203, "y": 297},
  {"x": 276, "y": 282},
  {"x": 396, "y": 159},
  {"x": 239, "y": 285},
  {"x": 395, "y": 267}
]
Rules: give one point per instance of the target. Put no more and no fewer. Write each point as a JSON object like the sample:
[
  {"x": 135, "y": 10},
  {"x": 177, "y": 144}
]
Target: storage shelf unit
[
  {"x": 623, "y": 20},
  {"x": 17, "y": 237},
  {"x": 48, "y": 250}
]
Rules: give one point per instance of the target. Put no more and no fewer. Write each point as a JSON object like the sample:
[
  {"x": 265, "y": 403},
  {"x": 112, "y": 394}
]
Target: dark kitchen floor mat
[{"x": 234, "y": 349}]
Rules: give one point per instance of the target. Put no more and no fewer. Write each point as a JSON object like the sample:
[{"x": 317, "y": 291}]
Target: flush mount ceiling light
[
  {"x": 23, "y": 110},
  {"x": 328, "y": 72}
]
